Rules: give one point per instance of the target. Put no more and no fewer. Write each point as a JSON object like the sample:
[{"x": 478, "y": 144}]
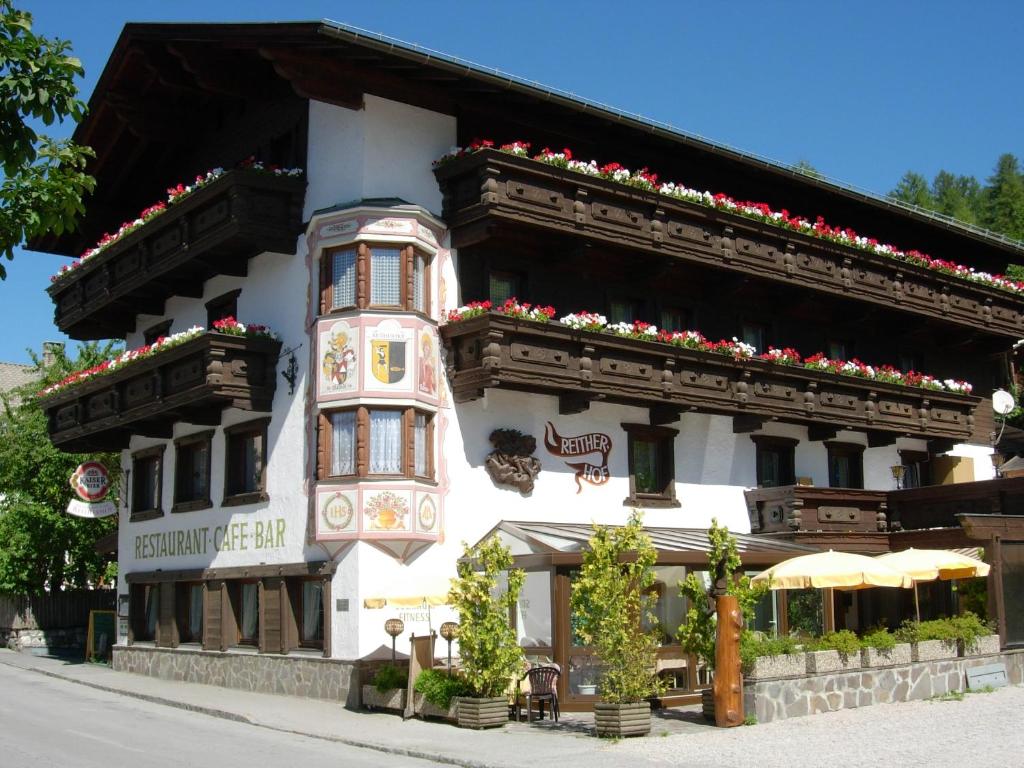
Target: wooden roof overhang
[
  {"x": 164, "y": 85},
  {"x": 541, "y": 544}
]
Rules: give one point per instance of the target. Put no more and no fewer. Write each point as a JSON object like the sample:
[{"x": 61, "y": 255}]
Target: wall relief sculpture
[{"x": 512, "y": 461}]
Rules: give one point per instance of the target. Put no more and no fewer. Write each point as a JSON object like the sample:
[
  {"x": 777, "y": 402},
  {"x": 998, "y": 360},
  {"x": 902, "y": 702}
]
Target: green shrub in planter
[
  {"x": 844, "y": 641},
  {"x": 880, "y": 639},
  {"x": 754, "y": 646},
  {"x": 388, "y": 677},
  {"x": 439, "y": 689}
]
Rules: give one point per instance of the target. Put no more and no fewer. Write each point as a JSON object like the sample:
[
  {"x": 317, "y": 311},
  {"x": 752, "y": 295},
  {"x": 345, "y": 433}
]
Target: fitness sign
[{"x": 91, "y": 484}]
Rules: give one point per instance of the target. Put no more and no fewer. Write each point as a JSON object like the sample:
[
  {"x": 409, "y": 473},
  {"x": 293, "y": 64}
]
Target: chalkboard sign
[{"x": 102, "y": 635}]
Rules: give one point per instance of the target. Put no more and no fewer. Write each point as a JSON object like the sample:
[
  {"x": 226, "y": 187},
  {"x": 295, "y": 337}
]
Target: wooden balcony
[
  {"x": 579, "y": 367},
  {"x": 192, "y": 382},
  {"x": 490, "y": 188},
  {"x": 213, "y": 232},
  {"x": 937, "y": 506},
  {"x": 806, "y": 508}
]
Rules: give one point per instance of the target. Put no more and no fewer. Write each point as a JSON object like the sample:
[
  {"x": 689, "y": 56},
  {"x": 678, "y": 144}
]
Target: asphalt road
[{"x": 47, "y": 722}]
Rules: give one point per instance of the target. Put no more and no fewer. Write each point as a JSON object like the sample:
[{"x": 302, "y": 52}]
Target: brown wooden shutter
[
  {"x": 362, "y": 441},
  {"x": 271, "y": 631},
  {"x": 167, "y": 625},
  {"x": 408, "y": 442},
  {"x": 327, "y": 617},
  {"x": 213, "y": 609},
  {"x": 291, "y": 600},
  {"x": 136, "y": 609},
  {"x": 408, "y": 291},
  {"x": 323, "y": 446},
  {"x": 363, "y": 276}
]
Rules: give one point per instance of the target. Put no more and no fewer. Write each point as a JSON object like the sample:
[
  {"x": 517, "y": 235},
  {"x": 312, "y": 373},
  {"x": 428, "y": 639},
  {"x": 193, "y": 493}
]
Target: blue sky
[{"x": 864, "y": 91}]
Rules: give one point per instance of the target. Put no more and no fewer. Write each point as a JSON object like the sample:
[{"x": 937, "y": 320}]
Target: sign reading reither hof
[{"x": 91, "y": 483}]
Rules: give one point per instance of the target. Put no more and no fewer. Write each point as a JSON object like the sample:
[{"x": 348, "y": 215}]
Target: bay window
[
  {"x": 363, "y": 276},
  {"x": 372, "y": 441}
]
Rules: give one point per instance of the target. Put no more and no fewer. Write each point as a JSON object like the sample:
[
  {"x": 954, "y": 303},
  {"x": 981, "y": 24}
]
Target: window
[
  {"x": 756, "y": 334},
  {"x": 624, "y": 310},
  {"x": 651, "y": 466},
  {"x": 775, "y": 464},
  {"x": 147, "y": 478},
  {"x": 189, "y": 601},
  {"x": 363, "y": 275},
  {"x": 245, "y": 462},
  {"x": 225, "y": 305},
  {"x": 192, "y": 472},
  {"x": 845, "y": 465},
  {"x": 246, "y": 603},
  {"x": 392, "y": 441},
  {"x": 916, "y": 469},
  {"x": 839, "y": 349},
  {"x": 153, "y": 333},
  {"x": 910, "y": 361},
  {"x": 311, "y": 614},
  {"x": 674, "y": 320},
  {"x": 145, "y": 611},
  {"x": 503, "y": 286}
]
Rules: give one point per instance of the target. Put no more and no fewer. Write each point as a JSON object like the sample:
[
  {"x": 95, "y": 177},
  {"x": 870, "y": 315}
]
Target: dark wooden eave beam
[
  {"x": 940, "y": 445},
  {"x": 880, "y": 439},
  {"x": 821, "y": 432},
  {"x": 664, "y": 414},
  {"x": 746, "y": 423},
  {"x": 570, "y": 403}
]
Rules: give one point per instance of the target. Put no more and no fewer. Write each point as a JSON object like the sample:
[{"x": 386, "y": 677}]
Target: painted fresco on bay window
[
  {"x": 389, "y": 347},
  {"x": 339, "y": 370},
  {"x": 337, "y": 512}
]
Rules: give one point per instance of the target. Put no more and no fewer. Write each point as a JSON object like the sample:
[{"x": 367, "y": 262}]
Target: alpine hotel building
[{"x": 282, "y": 487}]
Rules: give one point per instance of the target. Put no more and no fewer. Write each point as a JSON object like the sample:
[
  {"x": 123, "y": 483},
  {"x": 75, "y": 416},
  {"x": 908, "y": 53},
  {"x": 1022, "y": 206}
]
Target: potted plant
[
  {"x": 387, "y": 690},
  {"x": 611, "y": 608},
  {"x": 929, "y": 640},
  {"x": 490, "y": 654},
  {"x": 437, "y": 694},
  {"x": 833, "y": 652},
  {"x": 880, "y": 649},
  {"x": 769, "y": 657},
  {"x": 697, "y": 632}
]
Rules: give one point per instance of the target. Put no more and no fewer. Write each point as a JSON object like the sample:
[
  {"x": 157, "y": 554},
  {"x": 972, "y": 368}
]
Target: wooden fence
[{"x": 60, "y": 610}]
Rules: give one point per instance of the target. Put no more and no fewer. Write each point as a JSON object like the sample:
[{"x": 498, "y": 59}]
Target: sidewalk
[{"x": 571, "y": 743}]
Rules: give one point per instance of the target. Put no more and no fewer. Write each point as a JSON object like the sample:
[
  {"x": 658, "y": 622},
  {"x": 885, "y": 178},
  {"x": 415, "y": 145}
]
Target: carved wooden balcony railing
[
  {"x": 936, "y": 506},
  {"x": 806, "y": 508},
  {"x": 578, "y": 366},
  {"x": 490, "y": 186},
  {"x": 192, "y": 382},
  {"x": 213, "y": 232}
]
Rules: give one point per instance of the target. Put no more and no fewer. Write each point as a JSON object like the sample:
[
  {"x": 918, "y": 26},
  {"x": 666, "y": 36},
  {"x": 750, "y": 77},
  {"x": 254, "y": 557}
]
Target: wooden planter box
[
  {"x": 930, "y": 650},
  {"x": 621, "y": 720},
  {"x": 482, "y": 713},
  {"x": 983, "y": 646},
  {"x": 393, "y": 698},
  {"x": 819, "y": 662},
  {"x": 783, "y": 665},
  {"x": 424, "y": 708},
  {"x": 898, "y": 654}
]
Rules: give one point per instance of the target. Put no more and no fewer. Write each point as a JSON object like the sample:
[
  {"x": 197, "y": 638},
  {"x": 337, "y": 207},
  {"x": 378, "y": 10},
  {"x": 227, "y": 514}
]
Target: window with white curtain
[
  {"x": 343, "y": 443},
  {"x": 312, "y": 613},
  {"x": 419, "y": 283},
  {"x": 385, "y": 442},
  {"x": 249, "y": 614},
  {"x": 386, "y": 276},
  {"x": 421, "y": 455},
  {"x": 343, "y": 272}
]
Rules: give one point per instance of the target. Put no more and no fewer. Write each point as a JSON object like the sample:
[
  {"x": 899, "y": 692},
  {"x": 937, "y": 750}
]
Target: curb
[{"x": 435, "y": 757}]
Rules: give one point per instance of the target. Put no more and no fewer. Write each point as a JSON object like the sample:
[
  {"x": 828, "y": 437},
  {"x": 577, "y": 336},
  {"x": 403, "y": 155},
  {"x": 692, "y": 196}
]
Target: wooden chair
[{"x": 543, "y": 687}]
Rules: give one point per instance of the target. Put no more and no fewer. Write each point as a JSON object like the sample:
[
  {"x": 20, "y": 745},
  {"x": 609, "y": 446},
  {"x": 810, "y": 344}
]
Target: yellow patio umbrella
[
  {"x": 932, "y": 564},
  {"x": 832, "y": 569},
  {"x": 422, "y": 592}
]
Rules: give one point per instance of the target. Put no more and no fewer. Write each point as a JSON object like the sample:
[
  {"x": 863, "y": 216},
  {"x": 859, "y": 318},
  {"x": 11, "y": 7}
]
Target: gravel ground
[{"x": 982, "y": 729}]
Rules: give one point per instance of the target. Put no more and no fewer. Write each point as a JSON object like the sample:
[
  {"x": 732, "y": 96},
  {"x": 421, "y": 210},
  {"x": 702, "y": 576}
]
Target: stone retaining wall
[
  {"x": 291, "y": 675},
  {"x": 50, "y": 639},
  {"x": 781, "y": 698}
]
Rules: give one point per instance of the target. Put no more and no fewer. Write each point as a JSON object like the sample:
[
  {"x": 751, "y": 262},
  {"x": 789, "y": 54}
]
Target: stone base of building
[
  {"x": 781, "y": 698},
  {"x": 43, "y": 640},
  {"x": 290, "y": 675}
]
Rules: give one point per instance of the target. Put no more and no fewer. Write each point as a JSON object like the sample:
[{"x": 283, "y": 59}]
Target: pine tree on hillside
[
  {"x": 913, "y": 188},
  {"x": 957, "y": 196},
  {"x": 1004, "y": 199}
]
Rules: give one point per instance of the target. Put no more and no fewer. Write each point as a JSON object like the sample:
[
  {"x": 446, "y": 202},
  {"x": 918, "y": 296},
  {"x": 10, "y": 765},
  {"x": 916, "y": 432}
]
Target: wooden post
[{"x": 728, "y": 674}]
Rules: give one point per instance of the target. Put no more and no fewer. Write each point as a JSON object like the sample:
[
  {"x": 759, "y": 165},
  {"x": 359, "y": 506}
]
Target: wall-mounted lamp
[
  {"x": 291, "y": 372},
  {"x": 897, "y": 474}
]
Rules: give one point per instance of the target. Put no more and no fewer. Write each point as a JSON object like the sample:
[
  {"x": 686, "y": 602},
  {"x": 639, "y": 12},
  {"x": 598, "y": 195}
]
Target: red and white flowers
[
  {"x": 473, "y": 309},
  {"x": 762, "y": 212},
  {"x": 734, "y": 348},
  {"x": 539, "y": 314},
  {"x": 175, "y": 195},
  {"x": 228, "y": 325}
]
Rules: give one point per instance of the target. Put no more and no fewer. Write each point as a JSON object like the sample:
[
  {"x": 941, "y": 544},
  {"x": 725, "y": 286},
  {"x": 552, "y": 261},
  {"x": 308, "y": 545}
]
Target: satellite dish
[{"x": 1002, "y": 402}]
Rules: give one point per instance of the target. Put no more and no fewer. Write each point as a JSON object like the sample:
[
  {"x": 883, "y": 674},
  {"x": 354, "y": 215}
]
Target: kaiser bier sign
[{"x": 91, "y": 483}]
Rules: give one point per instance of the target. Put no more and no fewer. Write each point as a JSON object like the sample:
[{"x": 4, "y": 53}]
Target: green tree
[
  {"x": 44, "y": 179},
  {"x": 490, "y": 652},
  {"x": 1004, "y": 198},
  {"x": 957, "y": 196},
  {"x": 805, "y": 167},
  {"x": 913, "y": 188},
  {"x": 611, "y": 608},
  {"x": 43, "y": 547}
]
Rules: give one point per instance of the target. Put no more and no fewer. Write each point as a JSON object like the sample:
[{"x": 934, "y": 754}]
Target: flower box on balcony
[{"x": 216, "y": 230}]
